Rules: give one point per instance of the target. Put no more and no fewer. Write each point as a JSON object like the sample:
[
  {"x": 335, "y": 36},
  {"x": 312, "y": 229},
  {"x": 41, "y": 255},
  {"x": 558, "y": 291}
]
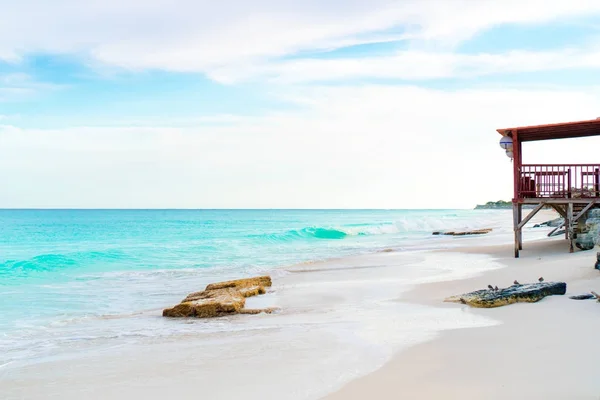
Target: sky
[{"x": 286, "y": 104}]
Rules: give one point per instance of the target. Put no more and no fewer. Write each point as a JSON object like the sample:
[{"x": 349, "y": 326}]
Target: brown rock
[
  {"x": 219, "y": 299},
  {"x": 242, "y": 283},
  {"x": 245, "y": 292},
  {"x": 252, "y": 291},
  {"x": 268, "y": 310},
  {"x": 209, "y": 303}
]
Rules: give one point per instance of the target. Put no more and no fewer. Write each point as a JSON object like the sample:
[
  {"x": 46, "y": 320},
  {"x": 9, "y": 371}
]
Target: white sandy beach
[
  {"x": 546, "y": 350},
  {"x": 372, "y": 326}
]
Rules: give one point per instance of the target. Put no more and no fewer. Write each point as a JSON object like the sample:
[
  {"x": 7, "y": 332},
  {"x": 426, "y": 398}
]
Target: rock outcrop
[
  {"x": 554, "y": 223},
  {"x": 527, "y": 293},
  {"x": 222, "y": 298},
  {"x": 264, "y": 281},
  {"x": 589, "y": 235},
  {"x": 464, "y": 233}
]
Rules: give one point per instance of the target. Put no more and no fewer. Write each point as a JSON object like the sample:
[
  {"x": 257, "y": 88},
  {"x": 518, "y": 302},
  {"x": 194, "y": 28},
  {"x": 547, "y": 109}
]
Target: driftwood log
[
  {"x": 464, "y": 233},
  {"x": 526, "y": 293},
  {"x": 220, "y": 299}
]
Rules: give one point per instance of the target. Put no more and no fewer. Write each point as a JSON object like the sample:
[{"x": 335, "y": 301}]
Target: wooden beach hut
[{"x": 571, "y": 189}]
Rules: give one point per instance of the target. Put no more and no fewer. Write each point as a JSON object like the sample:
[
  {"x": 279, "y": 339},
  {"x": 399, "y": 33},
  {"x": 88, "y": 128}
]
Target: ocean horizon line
[{"x": 219, "y": 209}]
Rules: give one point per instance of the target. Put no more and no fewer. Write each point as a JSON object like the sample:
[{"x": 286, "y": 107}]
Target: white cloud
[
  {"x": 204, "y": 36},
  {"x": 361, "y": 146},
  {"x": 411, "y": 65},
  {"x": 370, "y": 146}
]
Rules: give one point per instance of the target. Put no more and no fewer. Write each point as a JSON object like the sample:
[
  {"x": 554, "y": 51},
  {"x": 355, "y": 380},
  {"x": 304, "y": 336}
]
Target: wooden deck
[{"x": 571, "y": 189}]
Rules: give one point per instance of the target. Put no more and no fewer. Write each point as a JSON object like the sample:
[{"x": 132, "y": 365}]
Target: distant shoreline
[
  {"x": 494, "y": 205},
  {"x": 499, "y": 205}
]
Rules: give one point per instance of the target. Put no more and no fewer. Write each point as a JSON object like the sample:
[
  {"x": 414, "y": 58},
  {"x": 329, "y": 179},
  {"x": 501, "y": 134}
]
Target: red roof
[{"x": 563, "y": 130}]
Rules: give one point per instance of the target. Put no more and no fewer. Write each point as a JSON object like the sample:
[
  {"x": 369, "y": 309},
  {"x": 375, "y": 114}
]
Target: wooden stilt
[
  {"x": 519, "y": 220},
  {"x": 568, "y": 220},
  {"x": 569, "y": 228},
  {"x": 519, "y": 223},
  {"x": 516, "y": 228}
]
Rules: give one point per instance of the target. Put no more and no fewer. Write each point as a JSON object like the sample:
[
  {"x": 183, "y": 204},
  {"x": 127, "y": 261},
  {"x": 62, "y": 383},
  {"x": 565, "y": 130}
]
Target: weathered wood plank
[
  {"x": 530, "y": 215},
  {"x": 582, "y": 212}
]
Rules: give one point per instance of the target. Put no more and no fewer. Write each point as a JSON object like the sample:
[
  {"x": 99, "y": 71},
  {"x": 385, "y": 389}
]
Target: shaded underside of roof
[{"x": 564, "y": 130}]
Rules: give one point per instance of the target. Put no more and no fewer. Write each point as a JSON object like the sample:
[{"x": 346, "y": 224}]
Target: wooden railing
[{"x": 559, "y": 181}]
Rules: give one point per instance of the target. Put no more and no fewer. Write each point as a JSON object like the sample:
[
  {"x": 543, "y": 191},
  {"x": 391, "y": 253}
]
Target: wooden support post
[
  {"x": 569, "y": 226},
  {"x": 516, "y": 228},
  {"x": 568, "y": 219},
  {"x": 520, "y": 219}
]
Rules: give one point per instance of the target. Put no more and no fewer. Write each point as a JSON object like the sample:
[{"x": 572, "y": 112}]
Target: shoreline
[
  {"x": 543, "y": 350},
  {"x": 343, "y": 321}
]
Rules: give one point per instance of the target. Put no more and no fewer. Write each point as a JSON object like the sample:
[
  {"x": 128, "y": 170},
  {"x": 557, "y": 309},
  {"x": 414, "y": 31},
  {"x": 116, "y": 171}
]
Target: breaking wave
[
  {"x": 331, "y": 233},
  {"x": 408, "y": 225}
]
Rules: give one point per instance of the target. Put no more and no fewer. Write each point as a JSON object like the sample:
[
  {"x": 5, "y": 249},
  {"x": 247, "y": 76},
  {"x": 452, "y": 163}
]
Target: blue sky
[{"x": 282, "y": 104}]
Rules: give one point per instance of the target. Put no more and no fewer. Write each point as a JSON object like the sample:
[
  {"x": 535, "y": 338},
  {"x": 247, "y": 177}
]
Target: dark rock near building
[
  {"x": 527, "y": 293},
  {"x": 587, "y": 296},
  {"x": 585, "y": 241},
  {"x": 552, "y": 223},
  {"x": 588, "y": 235}
]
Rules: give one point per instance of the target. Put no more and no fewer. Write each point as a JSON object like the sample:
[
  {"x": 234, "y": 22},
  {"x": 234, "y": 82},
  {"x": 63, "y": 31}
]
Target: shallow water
[{"x": 81, "y": 281}]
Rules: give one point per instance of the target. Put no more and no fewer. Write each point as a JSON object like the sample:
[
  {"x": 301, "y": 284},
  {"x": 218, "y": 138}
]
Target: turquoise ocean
[{"x": 69, "y": 277}]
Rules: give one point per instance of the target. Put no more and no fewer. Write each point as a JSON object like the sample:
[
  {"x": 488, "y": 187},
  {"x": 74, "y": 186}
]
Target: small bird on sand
[
  {"x": 490, "y": 287},
  {"x": 516, "y": 282},
  {"x": 541, "y": 279},
  {"x": 496, "y": 288}
]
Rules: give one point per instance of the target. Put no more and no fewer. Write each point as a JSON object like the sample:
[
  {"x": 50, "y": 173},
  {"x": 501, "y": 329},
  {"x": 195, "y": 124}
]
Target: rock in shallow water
[
  {"x": 527, "y": 293},
  {"x": 219, "y": 299}
]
